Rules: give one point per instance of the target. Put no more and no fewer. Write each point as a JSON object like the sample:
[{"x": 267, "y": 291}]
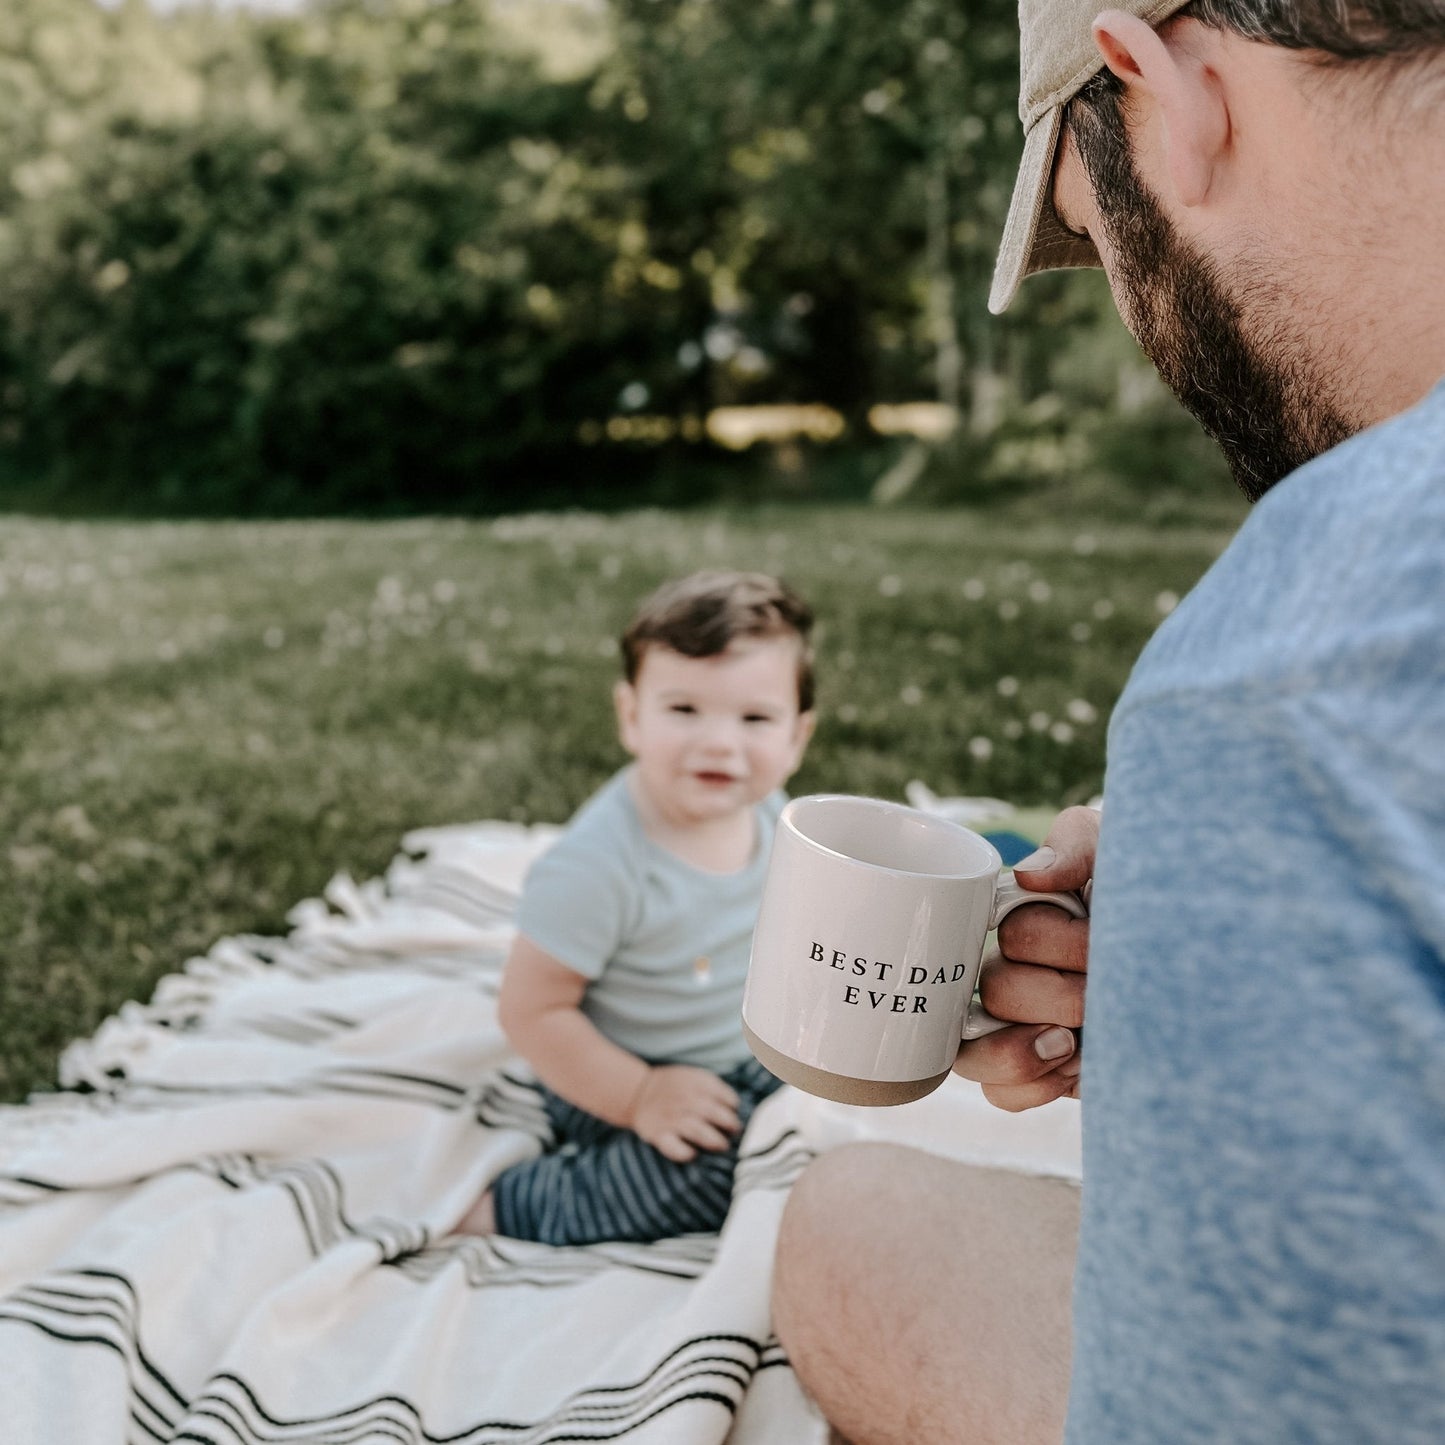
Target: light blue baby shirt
[
  {"x": 1262, "y": 1259},
  {"x": 664, "y": 945}
]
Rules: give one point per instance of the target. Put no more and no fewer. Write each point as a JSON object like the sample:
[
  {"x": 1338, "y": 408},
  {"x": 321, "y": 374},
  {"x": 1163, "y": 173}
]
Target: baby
[{"x": 624, "y": 985}]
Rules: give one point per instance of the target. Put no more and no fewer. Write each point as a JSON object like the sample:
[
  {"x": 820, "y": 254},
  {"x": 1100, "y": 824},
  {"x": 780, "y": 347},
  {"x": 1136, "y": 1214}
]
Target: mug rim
[{"x": 992, "y": 862}]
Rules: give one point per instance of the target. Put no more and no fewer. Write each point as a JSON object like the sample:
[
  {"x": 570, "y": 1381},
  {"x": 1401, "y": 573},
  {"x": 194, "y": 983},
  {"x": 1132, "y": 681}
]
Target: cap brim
[{"x": 1034, "y": 239}]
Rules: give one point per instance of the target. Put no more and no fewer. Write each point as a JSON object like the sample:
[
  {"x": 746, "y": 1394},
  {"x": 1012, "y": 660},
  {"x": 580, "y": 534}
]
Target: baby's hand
[{"x": 680, "y": 1110}]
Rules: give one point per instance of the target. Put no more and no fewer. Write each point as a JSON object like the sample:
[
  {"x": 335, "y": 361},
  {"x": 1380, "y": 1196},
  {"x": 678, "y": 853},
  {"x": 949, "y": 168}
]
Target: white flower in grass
[
  {"x": 1013, "y": 729},
  {"x": 1039, "y": 590},
  {"x": 1039, "y": 721},
  {"x": 1081, "y": 632},
  {"x": 975, "y": 589},
  {"x": 274, "y": 637},
  {"x": 1008, "y": 609},
  {"x": 848, "y": 713},
  {"x": 1082, "y": 711},
  {"x": 1007, "y": 686},
  {"x": 889, "y": 585},
  {"x": 444, "y": 590},
  {"x": 1086, "y": 544},
  {"x": 980, "y": 748},
  {"x": 1166, "y": 602},
  {"x": 1062, "y": 732},
  {"x": 911, "y": 695},
  {"x": 1103, "y": 609}
]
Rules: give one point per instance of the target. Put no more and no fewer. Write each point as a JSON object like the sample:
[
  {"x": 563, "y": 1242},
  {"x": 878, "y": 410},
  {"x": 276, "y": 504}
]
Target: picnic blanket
[{"x": 232, "y": 1223}]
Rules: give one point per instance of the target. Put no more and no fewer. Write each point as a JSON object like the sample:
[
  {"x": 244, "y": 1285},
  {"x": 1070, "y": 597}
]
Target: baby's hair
[{"x": 700, "y": 615}]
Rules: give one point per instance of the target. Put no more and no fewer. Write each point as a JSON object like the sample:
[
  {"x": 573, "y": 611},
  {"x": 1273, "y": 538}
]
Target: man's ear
[
  {"x": 624, "y": 700},
  {"x": 1168, "y": 72}
]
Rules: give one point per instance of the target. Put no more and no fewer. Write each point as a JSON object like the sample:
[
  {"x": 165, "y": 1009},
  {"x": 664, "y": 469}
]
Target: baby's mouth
[{"x": 714, "y": 779}]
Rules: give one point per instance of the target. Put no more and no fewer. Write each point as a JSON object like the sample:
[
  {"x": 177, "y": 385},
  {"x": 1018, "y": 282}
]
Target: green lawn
[{"x": 202, "y": 722}]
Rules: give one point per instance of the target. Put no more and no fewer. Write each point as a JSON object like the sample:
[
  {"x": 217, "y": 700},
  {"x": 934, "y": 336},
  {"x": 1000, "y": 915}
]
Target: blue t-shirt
[
  {"x": 1262, "y": 1259},
  {"x": 664, "y": 945}
]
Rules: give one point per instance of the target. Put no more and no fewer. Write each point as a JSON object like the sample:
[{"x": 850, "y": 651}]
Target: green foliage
[
  {"x": 393, "y": 255},
  {"x": 203, "y": 721}
]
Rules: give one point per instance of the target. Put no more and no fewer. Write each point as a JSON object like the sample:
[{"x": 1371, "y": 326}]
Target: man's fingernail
[
  {"x": 1044, "y": 857},
  {"x": 1054, "y": 1044}
]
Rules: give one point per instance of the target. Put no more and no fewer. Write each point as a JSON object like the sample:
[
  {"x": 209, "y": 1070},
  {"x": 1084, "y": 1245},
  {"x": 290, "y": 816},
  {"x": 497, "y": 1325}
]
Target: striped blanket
[{"x": 232, "y": 1225}]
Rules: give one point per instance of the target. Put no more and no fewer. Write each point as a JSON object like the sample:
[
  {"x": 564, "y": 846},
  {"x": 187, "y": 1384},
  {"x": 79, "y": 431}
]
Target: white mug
[{"x": 867, "y": 947}]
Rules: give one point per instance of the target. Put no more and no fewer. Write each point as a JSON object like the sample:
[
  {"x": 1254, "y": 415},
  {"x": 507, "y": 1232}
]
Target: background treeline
[{"x": 388, "y": 255}]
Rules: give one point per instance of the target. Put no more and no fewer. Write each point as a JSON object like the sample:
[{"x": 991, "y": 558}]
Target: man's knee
[{"x": 827, "y": 1219}]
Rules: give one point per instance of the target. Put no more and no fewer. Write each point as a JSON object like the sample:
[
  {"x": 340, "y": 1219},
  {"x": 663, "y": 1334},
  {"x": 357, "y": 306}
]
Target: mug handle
[{"x": 1009, "y": 895}]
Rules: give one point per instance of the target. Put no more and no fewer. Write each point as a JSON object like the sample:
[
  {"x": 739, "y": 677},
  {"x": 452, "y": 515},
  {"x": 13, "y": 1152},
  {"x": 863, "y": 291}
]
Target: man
[{"x": 1261, "y": 1254}]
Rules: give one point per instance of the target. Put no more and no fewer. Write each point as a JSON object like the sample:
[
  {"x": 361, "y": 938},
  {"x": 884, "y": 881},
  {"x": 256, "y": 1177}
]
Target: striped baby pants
[{"x": 599, "y": 1182}]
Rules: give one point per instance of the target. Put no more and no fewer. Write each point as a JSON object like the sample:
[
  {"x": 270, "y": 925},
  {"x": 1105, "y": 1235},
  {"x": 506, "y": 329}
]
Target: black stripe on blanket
[
  {"x": 92, "y": 1307},
  {"x": 774, "y": 1166},
  {"x": 497, "y": 1260},
  {"x": 97, "y": 1307},
  {"x": 120, "y": 1092},
  {"x": 317, "y": 1193},
  {"x": 714, "y": 1368}
]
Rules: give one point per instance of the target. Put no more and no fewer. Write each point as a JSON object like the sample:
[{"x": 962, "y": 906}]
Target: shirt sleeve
[{"x": 575, "y": 904}]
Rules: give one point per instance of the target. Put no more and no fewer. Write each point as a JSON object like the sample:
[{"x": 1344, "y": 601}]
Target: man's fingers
[
  {"x": 1015, "y": 1056},
  {"x": 1015, "y": 1098},
  {"x": 1066, "y": 859},
  {"x": 1041, "y": 933},
  {"x": 1030, "y": 994}
]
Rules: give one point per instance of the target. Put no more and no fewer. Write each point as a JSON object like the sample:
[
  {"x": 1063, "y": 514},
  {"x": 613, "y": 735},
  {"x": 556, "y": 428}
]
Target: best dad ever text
[{"x": 897, "y": 1003}]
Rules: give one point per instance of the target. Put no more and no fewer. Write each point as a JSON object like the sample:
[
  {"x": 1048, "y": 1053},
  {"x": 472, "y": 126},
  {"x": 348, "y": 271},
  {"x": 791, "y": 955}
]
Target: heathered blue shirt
[
  {"x": 665, "y": 945},
  {"x": 1262, "y": 1259}
]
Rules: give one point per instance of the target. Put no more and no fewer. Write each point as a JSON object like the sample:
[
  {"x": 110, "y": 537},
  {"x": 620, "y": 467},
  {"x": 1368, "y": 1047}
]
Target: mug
[{"x": 867, "y": 948}]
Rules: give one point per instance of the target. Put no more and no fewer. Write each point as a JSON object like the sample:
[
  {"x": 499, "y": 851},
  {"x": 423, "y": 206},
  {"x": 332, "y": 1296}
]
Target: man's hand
[
  {"x": 1037, "y": 978},
  {"x": 680, "y": 1109}
]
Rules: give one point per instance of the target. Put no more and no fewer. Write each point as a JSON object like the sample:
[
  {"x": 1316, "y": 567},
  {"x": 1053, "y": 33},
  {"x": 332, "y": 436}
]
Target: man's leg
[{"x": 924, "y": 1302}]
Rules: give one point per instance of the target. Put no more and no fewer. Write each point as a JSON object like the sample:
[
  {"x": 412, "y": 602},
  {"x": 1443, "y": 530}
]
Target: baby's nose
[{"x": 722, "y": 736}]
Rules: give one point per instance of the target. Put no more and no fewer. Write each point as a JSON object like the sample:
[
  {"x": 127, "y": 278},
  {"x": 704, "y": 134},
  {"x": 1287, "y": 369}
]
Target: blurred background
[{"x": 362, "y": 362}]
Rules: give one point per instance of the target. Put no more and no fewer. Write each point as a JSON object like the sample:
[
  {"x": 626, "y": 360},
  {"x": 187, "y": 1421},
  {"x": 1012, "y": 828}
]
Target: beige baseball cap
[{"x": 1057, "y": 54}]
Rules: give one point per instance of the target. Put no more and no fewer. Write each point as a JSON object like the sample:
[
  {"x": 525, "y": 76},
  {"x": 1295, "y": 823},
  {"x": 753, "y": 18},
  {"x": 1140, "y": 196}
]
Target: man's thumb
[{"x": 1066, "y": 858}]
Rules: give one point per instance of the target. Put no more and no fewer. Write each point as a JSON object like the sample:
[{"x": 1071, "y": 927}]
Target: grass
[{"x": 202, "y": 722}]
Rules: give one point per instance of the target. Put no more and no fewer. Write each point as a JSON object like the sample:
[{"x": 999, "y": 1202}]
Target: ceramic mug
[{"x": 867, "y": 948}]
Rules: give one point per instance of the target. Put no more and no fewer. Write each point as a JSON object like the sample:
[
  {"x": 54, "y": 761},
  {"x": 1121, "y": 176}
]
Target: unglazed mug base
[{"x": 841, "y": 1088}]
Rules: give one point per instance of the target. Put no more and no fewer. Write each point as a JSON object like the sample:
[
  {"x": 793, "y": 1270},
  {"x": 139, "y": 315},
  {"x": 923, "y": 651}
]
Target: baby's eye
[
  {"x": 758, "y": 717},
  {"x": 683, "y": 707}
]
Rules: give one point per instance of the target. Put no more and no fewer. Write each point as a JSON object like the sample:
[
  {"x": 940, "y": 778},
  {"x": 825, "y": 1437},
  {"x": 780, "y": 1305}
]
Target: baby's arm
[{"x": 675, "y": 1108}]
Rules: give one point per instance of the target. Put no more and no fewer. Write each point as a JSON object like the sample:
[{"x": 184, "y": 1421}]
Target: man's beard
[{"x": 1249, "y": 386}]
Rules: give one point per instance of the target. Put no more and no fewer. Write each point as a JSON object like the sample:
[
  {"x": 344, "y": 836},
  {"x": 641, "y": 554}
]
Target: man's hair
[{"x": 702, "y": 614}]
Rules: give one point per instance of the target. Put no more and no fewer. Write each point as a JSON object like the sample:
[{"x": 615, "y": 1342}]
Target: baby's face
[{"x": 714, "y": 735}]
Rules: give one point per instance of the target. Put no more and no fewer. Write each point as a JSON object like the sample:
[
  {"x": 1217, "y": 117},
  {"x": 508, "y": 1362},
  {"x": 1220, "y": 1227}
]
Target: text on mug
[{"x": 895, "y": 1003}]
